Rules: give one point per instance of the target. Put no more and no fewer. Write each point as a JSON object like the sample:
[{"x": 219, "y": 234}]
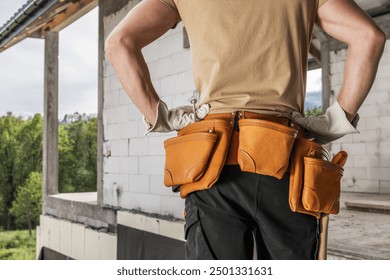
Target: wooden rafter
[{"x": 71, "y": 14}]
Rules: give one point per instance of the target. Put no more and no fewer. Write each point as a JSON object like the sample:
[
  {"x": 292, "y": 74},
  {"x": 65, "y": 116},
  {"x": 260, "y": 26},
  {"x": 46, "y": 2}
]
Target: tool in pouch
[
  {"x": 193, "y": 100},
  {"x": 315, "y": 179}
]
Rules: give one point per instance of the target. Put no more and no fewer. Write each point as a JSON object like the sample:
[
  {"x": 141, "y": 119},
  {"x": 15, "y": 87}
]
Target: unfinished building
[{"x": 132, "y": 215}]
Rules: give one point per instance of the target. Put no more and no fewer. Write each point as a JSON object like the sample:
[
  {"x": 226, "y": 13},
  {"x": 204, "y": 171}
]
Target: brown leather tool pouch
[
  {"x": 187, "y": 157},
  {"x": 321, "y": 186},
  {"x": 302, "y": 148},
  {"x": 265, "y": 147},
  {"x": 209, "y": 158},
  {"x": 314, "y": 180}
]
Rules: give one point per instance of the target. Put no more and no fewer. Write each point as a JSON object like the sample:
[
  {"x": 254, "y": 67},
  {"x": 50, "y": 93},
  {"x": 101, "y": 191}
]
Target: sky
[{"x": 21, "y": 69}]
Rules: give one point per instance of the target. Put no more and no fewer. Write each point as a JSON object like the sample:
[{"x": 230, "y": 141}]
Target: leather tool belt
[{"x": 260, "y": 144}]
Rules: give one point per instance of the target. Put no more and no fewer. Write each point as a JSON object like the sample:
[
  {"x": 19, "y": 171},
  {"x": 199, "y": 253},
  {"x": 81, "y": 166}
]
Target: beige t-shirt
[{"x": 249, "y": 54}]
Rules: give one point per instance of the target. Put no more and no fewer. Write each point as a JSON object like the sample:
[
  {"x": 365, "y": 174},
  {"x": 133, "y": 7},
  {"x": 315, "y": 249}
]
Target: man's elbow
[
  {"x": 116, "y": 43},
  {"x": 375, "y": 40}
]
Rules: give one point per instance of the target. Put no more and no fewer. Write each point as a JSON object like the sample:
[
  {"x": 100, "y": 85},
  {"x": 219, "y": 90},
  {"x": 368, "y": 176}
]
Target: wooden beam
[
  {"x": 50, "y": 117},
  {"x": 71, "y": 14}
]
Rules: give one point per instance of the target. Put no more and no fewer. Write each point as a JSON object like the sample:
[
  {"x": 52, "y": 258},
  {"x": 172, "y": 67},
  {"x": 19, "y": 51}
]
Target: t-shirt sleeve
[
  {"x": 321, "y": 2},
  {"x": 171, "y": 5}
]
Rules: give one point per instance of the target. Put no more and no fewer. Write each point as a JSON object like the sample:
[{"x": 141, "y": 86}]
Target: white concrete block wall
[
  {"x": 368, "y": 167},
  {"x": 134, "y": 163},
  {"x": 75, "y": 240}
]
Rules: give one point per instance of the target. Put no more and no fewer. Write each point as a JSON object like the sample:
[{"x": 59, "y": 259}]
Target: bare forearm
[
  {"x": 348, "y": 23},
  {"x": 145, "y": 23},
  {"x": 359, "y": 73},
  {"x": 133, "y": 73}
]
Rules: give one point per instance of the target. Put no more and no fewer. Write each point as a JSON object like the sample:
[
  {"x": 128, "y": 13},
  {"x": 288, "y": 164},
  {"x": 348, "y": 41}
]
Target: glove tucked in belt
[
  {"x": 175, "y": 119},
  {"x": 328, "y": 127}
]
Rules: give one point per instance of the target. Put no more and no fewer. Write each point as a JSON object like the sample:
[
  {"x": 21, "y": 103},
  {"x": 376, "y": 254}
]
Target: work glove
[
  {"x": 175, "y": 119},
  {"x": 328, "y": 127}
]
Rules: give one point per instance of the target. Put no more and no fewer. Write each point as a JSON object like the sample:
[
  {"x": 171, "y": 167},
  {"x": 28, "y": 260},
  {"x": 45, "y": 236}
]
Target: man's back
[{"x": 249, "y": 55}]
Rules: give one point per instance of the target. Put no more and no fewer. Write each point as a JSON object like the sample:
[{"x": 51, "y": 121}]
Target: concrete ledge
[
  {"x": 369, "y": 206},
  {"x": 159, "y": 226},
  {"x": 80, "y": 208},
  {"x": 86, "y": 197}
]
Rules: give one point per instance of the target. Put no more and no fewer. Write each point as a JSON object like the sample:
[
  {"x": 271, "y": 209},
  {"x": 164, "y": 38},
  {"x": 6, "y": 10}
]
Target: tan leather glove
[
  {"x": 328, "y": 127},
  {"x": 175, "y": 119}
]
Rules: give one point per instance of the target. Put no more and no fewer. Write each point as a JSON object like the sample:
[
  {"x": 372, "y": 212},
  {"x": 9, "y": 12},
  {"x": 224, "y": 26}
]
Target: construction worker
[{"x": 249, "y": 56}]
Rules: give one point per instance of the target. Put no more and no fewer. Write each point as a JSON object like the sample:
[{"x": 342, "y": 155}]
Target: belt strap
[{"x": 231, "y": 158}]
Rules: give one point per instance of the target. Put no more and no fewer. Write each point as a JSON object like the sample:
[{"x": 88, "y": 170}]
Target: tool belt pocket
[
  {"x": 187, "y": 157},
  {"x": 195, "y": 157},
  {"x": 321, "y": 187},
  {"x": 315, "y": 179},
  {"x": 265, "y": 147}
]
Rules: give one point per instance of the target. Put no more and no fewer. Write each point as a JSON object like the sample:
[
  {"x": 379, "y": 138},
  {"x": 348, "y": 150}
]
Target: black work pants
[{"x": 222, "y": 222}]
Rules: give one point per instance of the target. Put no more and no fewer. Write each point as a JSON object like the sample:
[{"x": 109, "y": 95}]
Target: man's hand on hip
[
  {"x": 328, "y": 127},
  {"x": 175, "y": 119}
]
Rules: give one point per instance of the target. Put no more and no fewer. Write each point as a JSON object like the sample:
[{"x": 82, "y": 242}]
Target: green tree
[
  {"x": 27, "y": 205},
  {"x": 9, "y": 178},
  {"x": 2, "y": 210},
  {"x": 30, "y": 138},
  {"x": 65, "y": 160},
  {"x": 77, "y": 148},
  {"x": 21, "y": 155},
  {"x": 316, "y": 111}
]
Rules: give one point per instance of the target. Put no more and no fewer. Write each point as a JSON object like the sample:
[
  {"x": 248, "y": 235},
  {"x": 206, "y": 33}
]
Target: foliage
[
  {"x": 10, "y": 178},
  {"x": 65, "y": 160},
  {"x": 27, "y": 206},
  {"x": 17, "y": 245},
  {"x": 30, "y": 139},
  {"x": 77, "y": 156},
  {"x": 21, "y": 143},
  {"x": 316, "y": 111}
]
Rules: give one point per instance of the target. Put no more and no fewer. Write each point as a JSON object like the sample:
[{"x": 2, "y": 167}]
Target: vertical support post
[
  {"x": 100, "y": 127},
  {"x": 50, "y": 131},
  {"x": 326, "y": 85}
]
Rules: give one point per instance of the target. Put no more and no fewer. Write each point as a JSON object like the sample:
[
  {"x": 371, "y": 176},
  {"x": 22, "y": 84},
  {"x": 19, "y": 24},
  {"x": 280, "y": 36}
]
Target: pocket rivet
[{"x": 210, "y": 131}]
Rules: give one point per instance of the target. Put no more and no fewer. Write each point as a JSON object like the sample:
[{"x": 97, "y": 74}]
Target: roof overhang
[{"x": 37, "y": 17}]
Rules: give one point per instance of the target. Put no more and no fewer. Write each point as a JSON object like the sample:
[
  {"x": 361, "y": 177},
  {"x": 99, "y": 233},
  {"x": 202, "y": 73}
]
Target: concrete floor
[{"x": 359, "y": 235}]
